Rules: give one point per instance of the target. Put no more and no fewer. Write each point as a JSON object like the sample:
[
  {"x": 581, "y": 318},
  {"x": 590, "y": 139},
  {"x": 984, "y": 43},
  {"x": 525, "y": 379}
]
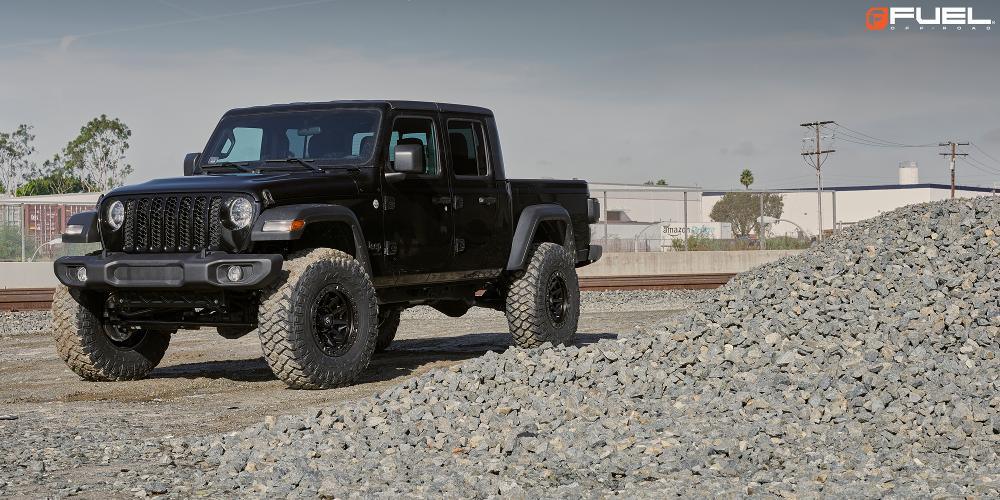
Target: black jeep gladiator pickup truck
[{"x": 316, "y": 224}]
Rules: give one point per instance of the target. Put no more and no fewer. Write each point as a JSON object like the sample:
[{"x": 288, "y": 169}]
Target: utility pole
[
  {"x": 951, "y": 163},
  {"x": 818, "y": 165},
  {"x": 762, "y": 238}
]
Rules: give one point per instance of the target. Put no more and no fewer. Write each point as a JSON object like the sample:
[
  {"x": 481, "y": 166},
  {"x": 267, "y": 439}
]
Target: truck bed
[{"x": 571, "y": 194}]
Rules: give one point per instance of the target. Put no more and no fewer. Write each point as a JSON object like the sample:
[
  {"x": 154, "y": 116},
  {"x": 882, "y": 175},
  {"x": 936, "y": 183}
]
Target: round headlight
[
  {"x": 239, "y": 212},
  {"x": 116, "y": 215}
]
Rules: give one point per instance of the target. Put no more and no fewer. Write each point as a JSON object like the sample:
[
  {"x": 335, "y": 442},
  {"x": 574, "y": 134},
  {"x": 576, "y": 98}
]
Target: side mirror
[
  {"x": 409, "y": 159},
  {"x": 192, "y": 164}
]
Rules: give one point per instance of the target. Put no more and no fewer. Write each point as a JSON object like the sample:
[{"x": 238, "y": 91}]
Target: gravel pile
[{"x": 867, "y": 366}]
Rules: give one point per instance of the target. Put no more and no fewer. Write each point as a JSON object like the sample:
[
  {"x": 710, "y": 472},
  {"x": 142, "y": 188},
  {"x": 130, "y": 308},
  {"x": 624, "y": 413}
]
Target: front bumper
[{"x": 169, "y": 271}]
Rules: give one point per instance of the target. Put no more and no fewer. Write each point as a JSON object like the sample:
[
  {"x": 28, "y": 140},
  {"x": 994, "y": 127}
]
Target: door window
[
  {"x": 467, "y": 148},
  {"x": 414, "y": 130}
]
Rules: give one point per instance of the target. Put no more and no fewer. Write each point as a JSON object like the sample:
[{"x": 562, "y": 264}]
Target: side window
[
  {"x": 468, "y": 150},
  {"x": 411, "y": 130},
  {"x": 361, "y": 144},
  {"x": 243, "y": 145}
]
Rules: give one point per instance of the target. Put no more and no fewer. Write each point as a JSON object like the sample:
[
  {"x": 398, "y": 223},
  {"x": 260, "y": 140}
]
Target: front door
[
  {"x": 418, "y": 208},
  {"x": 477, "y": 197}
]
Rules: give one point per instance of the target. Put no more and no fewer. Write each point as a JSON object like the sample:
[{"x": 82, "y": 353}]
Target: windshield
[{"x": 329, "y": 137}]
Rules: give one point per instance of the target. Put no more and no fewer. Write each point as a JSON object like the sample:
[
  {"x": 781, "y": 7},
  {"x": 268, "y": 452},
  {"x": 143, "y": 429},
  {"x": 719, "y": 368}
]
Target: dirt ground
[{"x": 208, "y": 384}]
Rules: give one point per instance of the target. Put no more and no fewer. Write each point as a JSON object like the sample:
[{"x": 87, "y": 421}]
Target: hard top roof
[{"x": 405, "y": 105}]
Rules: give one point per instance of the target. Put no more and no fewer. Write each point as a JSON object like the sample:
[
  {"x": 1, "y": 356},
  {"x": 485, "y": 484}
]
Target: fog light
[
  {"x": 81, "y": 274},
  {"x": 234, "y": 273}
]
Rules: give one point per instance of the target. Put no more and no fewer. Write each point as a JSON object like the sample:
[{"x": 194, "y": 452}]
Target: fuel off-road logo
[{"x": 925, "y": 19}]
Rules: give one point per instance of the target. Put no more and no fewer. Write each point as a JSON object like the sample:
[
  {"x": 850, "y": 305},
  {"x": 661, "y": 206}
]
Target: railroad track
[{"x": 22, "y": 299}]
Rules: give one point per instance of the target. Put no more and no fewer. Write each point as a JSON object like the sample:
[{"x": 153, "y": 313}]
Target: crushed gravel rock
[{"x": 866, "y": 366}]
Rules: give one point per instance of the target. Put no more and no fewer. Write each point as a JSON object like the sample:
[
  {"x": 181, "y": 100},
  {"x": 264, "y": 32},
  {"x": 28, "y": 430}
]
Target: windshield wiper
[
  {"x": 299, "y": 161},
  {"x": 243, "y": 167}
]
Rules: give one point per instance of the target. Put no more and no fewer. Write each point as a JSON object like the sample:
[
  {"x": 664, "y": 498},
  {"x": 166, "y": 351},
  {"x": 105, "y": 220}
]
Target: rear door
[
  {"x": 478, "y": 197},
  {"x": 418, "y": 213}
]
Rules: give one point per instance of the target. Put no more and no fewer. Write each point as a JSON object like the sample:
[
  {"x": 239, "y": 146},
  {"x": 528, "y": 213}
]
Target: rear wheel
[
  {"x": 318, "y": 325},
  {"x": 101, "y": 351},
  {"x": 543, "y": 301},
  {"x": 388, "y": 323}
]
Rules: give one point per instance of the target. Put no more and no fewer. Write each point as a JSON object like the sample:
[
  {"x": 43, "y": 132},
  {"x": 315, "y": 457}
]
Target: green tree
[
  {"x": 660, "y": 182},
  {"x": 55, "y": 176},
  {"x": 98, "y": 153},
  {"x": 15, "y": 149},
  {"x": 746, "y": 178},
  {"x": 742, "y": 210}
]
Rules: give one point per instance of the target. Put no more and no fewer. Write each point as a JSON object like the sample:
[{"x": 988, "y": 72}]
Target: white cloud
[{"x": 670, "y": 110}]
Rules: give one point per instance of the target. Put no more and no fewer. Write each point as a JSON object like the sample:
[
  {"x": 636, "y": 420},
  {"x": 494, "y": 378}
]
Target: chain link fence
[
  {"x": 666, "y": 219},
  {"x": 31, "y": 232}
]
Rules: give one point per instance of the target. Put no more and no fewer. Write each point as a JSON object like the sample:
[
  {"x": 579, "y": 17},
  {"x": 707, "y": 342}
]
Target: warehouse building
[
  {"x": 652, "y": 218},
  {"x": 846, "y": 205}
]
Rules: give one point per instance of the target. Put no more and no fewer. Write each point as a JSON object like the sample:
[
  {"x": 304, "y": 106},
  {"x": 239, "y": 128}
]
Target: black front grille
[{"x": 172, "y": 223}]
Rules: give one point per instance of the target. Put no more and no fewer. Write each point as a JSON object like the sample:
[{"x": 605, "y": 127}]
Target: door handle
[{"x": 487, "y": 200}]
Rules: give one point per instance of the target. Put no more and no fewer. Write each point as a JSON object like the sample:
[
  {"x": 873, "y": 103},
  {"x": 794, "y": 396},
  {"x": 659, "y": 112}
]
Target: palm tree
[{"x": 746, "y": 178}]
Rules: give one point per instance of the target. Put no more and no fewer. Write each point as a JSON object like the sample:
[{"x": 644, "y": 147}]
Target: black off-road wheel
[
  {"x": 319, "y": 323},
  {"x": 98, "y": 351},
  {"x": 388, "y": 323},
  {"x": 543, "y": 301}
]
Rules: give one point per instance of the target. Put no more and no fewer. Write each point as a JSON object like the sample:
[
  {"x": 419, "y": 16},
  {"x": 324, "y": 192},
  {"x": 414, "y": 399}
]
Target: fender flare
[
  {"x": 527, "y": 225},
  {"x": 90, "y": 233},
  {"x": 312, "y": 213}
]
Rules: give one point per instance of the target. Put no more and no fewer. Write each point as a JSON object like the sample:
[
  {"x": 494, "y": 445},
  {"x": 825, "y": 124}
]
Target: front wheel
[
  {"x": 543, "y": 301},
  {"x": 97, "y": 350},
  {"x": 318, "y": 325}
]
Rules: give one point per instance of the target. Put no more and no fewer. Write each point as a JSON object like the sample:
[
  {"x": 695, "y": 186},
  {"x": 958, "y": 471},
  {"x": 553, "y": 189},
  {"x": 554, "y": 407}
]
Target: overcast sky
[{"x": 692, "y": 92}]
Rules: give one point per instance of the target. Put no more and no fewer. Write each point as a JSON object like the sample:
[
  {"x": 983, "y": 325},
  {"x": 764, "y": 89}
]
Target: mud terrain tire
[
  {"x": 83, "y": 343},
  {"x": 543, "y": 301},
  {"x": 318, "y": 324}
]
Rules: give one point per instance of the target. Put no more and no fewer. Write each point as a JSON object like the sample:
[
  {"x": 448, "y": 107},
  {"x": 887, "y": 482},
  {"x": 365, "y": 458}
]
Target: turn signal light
[{"x": 283, "y": 226}]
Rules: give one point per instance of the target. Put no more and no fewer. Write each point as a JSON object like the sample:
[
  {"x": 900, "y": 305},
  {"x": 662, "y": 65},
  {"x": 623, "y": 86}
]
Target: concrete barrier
[
  {"x": 27, "y": 275},
  {"x": 647, "y": 263},
  {"x": 39, "y": 274}
]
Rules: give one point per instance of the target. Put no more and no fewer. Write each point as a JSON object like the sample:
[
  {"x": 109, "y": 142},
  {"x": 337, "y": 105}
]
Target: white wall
[
  {"x": 652, "y": 263},
  {"x": 851, "y": 206}
]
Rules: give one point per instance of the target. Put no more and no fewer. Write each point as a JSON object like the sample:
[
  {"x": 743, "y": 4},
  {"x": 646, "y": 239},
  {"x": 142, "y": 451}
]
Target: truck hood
[{"x": 284, "y": 187}]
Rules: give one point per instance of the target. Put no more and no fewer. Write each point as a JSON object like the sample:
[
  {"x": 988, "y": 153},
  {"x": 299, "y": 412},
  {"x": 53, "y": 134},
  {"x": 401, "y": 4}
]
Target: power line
[
  {"x": 972, "y": 160},
  {"x": 984, "y": 152},
  {"x": 861, "y": 136},
  {"x": 977, "y": 167},
  {"x": 867, "y": 143}
]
